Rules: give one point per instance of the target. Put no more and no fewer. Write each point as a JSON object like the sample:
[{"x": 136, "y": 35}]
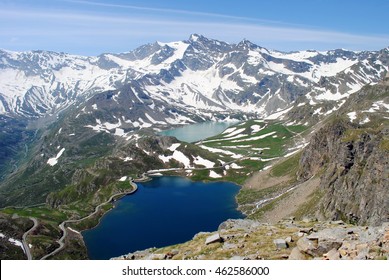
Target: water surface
[
  {"x": 198, "y": 131},
  {"x": 164, "y": 211}
]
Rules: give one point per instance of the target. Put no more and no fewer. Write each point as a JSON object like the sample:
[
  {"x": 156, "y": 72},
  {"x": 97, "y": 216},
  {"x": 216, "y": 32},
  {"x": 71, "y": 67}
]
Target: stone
[
  {"x": 280, "y": 243},
  {"x": 362, "y": 254},
  {"x": 307, "y": 245},
  {"x": 213, "y": 239},
  {"x": 306, "y": 230},
  {"x": 237, "y": 258},
  {"x": 172, "y": 253},
  {"x": 333, "y": 254},
  {"x": 295, "y": 254},
  {"x": 289, "y": 239},
  {"x": 157, "y": 257},
  {"x": 339, "y": 222},
  {"x": 229, "y": 246}
]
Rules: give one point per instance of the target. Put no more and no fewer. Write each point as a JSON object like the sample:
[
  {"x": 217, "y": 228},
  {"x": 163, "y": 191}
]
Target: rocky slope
[
  {"x": 288, "y": 239},
  {"x": 351, "y": 155}
]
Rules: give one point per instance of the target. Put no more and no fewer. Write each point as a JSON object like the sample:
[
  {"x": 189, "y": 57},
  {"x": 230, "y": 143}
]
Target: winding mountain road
[
  {"x": 62, "y": 226},
  {"x": 24, "y": 239}
]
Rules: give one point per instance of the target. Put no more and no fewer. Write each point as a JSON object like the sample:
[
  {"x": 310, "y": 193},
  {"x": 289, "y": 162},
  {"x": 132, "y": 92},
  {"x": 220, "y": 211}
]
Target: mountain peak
[
  {"x": 196, "y": 37},
  {"x": 246, "y": 44}
]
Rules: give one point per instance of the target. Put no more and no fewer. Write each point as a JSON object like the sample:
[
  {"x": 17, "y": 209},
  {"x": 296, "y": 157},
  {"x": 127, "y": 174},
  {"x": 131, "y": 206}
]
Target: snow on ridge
[
  {"x": 178, "y": 156},
  {"x": 278, "y": 114},
  {"x": 255, "y": 137},
  {"x": 53, "y": 161},
  {"x": 229, "y": 130},
  {"x": 174, "y": 147},
  {"x": 256, "y": 128},
  {"x": 201, "y": 161},
  {"x": 352, "y": 116},
  {"x": 238, "y": 131}
]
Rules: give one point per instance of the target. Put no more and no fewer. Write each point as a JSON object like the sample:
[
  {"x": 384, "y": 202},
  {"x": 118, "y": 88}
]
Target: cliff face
[{"x": 354, "y": 171}]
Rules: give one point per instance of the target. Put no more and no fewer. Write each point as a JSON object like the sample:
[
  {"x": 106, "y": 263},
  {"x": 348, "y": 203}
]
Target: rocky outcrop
[
  {"x": 354, "y": 172},
  {"x": 288, "y": 239}
]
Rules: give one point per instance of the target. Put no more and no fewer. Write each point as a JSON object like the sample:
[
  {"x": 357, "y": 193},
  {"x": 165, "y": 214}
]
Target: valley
[{"x": 305, "y": 134}]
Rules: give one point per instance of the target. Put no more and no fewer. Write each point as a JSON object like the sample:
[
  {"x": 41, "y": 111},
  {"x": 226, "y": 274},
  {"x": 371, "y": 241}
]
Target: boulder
[
  {"x": 307, "y": 245},
  {"x": 289, "y": 239},
  {"x": 229, "y": 246},
  {"x": 296, "y": 255},
  {"x": 213, "y": 239},
  {"x": 280, "y": 243},
  {"x": 157, "y": 257},
  {"x": 333, "y": 254}
]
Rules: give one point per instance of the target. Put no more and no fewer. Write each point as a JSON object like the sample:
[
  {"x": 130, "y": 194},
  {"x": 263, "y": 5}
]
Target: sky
[{"x": 92, "y": 27}]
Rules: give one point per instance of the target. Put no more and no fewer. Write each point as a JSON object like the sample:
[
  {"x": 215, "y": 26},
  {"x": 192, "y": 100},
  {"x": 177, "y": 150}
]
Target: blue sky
[{"x": 92, "y": 27}]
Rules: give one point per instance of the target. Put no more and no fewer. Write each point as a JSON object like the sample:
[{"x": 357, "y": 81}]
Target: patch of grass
[
  {"x": 384, "y": 145},
  {"x": 352, "y": 135},
  {"x": 297, "y": 128},
  {"x": 286, "y": 167},
  {"x": 43, "y": 213}
]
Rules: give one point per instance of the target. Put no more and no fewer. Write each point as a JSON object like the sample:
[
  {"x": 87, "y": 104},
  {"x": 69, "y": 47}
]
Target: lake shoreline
[{"x": 204, "y": 187}]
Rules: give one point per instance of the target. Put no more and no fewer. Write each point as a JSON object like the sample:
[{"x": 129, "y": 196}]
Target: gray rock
[
  {"x": 237, "y": 258},
  {"x": 296, "y": 255},
  {"x": 339, "y": 222},
  {"x": 157, "y": 257},
  {"x": 229, "y": 246},
  {"x": 306, "y": 230},
  {"x": 307, "y": 245},
  {"x": 213, "y": 239},
  {"x": 280, "y": 243},
  {"x": 333, "y": 254},
  {"x": 289, "y": 239},
  {"x": 363, "y": 254}
]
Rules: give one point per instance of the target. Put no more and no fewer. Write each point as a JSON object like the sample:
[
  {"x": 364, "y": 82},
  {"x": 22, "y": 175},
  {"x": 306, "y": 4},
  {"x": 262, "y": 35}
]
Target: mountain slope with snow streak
[{"x": 199, "y": 73}]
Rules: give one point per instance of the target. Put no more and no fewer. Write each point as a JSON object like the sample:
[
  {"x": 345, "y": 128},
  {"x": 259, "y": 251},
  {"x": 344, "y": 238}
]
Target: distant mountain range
[{"x": 198, "y": 74}]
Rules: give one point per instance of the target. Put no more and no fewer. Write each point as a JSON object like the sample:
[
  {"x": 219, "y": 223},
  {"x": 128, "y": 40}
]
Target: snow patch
[
  {"x": 53, "y": 161},
  {"x": 174, "y": 147},
  {"x": 256, "y": 128},
  {"x": 352, "y": 116},
  {"x": 201, "y": 161},
  {"x": 122, "y": 179},
  {"x": 213, "y": 174}
]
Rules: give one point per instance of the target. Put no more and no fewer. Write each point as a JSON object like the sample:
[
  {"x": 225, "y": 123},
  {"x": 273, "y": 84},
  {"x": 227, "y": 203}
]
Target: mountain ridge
[{"x": 203, "y": 73}]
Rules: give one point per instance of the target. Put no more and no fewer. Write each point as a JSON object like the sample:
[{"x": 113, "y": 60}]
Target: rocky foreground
[{"x": 288, "y": 239}]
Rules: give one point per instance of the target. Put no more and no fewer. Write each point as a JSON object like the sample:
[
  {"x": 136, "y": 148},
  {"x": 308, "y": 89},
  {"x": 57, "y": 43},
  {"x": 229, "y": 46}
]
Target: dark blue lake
[{"x": 164, "y": 211}]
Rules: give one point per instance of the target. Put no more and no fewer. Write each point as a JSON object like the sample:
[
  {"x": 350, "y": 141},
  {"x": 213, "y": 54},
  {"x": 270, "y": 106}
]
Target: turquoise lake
[
  {"x": 198, "y": 131},
  {"x": 164, "y": 211}
]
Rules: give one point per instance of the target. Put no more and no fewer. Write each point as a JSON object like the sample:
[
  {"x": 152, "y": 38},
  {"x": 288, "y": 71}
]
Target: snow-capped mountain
[{"x": 197, "y": 74}]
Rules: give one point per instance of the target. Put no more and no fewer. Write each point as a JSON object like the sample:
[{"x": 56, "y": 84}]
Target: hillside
[{"x": 308, "y": 134}]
